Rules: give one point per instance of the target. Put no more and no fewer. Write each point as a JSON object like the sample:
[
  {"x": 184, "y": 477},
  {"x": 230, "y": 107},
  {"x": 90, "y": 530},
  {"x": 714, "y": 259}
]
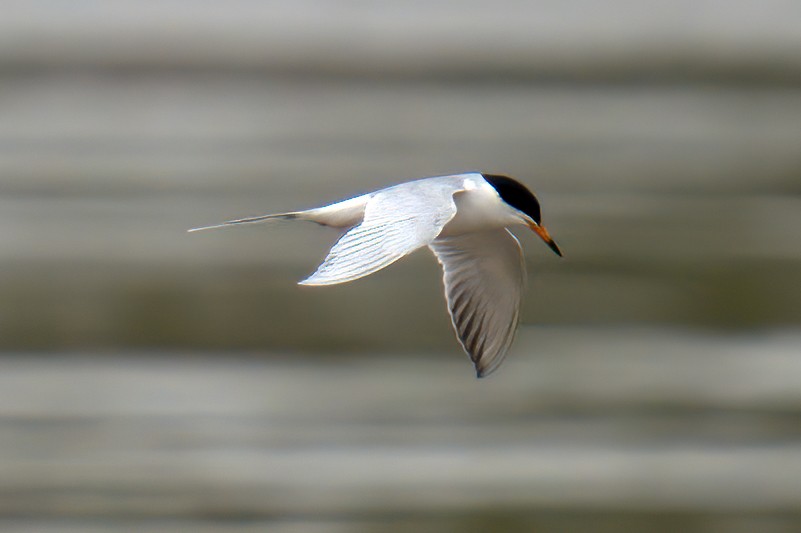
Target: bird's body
[{"x": 463, "y": 219}]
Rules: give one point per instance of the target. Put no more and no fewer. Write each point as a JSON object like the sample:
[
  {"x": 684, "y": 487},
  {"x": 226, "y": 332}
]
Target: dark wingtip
[{"x": 482, "y": 373}]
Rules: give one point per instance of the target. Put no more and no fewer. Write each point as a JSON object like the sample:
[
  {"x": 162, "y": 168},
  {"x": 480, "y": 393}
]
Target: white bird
[{"x": 463, "y": 219}]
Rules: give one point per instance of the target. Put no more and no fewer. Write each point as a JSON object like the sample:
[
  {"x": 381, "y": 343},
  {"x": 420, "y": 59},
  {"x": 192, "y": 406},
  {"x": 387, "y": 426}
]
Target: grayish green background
[{"x": 154, "y": 380}]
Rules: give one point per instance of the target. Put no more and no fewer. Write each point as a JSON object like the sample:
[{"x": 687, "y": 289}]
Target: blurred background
[{"x": 157, "y": 381}]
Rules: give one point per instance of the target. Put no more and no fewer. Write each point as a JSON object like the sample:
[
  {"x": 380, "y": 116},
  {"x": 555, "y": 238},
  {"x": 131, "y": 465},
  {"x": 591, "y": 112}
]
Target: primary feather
[
  {"x": 397, "y": 221},
  {"x": 484, "y": 276}
]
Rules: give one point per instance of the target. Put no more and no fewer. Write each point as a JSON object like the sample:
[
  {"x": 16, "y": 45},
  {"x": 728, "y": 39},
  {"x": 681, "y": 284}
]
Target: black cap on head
[{"x": 515, "y": 194}]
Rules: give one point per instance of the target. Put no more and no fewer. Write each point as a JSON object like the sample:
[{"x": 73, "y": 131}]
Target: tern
[{"x": 463, "y": 219}]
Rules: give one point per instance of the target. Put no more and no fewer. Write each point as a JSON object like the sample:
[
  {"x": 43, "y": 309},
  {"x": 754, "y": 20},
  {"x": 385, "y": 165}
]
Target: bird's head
[{"x": 517, "y": 195}]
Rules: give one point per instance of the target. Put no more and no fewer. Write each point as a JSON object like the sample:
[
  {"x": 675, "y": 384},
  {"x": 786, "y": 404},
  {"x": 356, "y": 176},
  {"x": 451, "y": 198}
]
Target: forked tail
[{"x": 250, "y": 220}]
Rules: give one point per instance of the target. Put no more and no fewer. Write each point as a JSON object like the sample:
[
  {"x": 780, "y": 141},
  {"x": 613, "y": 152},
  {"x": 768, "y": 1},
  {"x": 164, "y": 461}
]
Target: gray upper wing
[
  {"x": 484, "y": 275},
  {"x": 397, "y": 221}
]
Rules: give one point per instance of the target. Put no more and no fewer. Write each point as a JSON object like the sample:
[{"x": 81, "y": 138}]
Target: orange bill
[{"x": 545, "y": 236}]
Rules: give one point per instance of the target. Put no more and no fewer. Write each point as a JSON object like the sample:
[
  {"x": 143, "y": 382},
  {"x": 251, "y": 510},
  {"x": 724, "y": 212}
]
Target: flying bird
[{"x": 464, "y": 221}]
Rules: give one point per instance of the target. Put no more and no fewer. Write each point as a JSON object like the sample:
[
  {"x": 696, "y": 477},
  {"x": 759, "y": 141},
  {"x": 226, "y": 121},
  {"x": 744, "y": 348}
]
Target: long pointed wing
[
  {"x": 484, "y": 275},
  {"x": 397, "y": 221}
]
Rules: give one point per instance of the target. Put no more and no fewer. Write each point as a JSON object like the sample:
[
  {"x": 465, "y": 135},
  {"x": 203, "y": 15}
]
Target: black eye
[{"x": 516, "y": 194}]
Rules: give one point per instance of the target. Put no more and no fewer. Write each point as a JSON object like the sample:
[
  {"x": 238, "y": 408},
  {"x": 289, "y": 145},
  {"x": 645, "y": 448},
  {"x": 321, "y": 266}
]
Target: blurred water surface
[{"x": 158, "y": 381}]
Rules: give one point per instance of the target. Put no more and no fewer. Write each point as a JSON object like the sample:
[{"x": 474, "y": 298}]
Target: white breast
[{"x": 477, "y": 209}]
